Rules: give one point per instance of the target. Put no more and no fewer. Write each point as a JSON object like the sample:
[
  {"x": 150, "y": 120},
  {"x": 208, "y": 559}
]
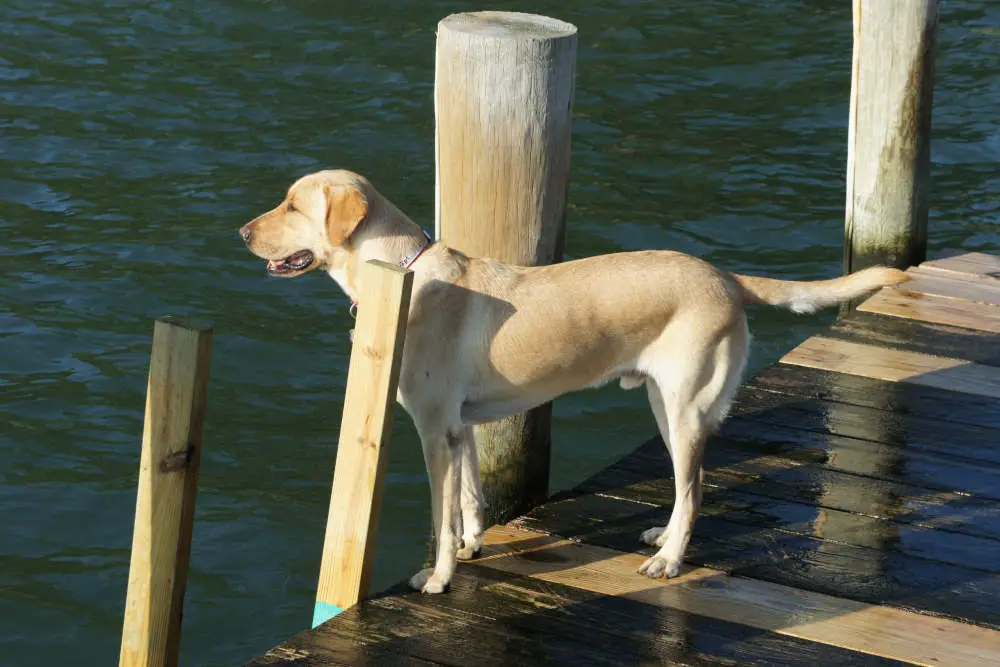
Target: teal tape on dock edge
[{"x": 323, "y": 612}]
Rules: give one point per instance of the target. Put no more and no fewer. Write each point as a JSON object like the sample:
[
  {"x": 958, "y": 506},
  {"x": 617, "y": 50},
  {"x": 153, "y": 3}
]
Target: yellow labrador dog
[{"x": 486, "y": 339}]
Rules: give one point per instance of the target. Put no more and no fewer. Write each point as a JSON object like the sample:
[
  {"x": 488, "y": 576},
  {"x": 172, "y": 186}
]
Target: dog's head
[{"x": 312, "y": 226}]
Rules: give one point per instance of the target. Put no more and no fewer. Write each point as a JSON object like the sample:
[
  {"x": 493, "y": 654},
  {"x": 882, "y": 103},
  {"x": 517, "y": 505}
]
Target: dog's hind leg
[
  {"x": 473, "y": 503},
  {"x": 688, "y": 404},
  {"x": 442, "y": 452}
]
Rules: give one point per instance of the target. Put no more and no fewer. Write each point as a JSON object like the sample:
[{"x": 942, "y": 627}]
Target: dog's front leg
[{"x": 442, "y": 456}]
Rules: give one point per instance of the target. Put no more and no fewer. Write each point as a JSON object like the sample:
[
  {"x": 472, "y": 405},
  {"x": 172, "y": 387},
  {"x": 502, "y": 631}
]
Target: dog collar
[{"x": 406, "y": 263}]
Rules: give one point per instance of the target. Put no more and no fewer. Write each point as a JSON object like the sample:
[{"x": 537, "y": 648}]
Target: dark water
[{"x": 135, "y": 137}]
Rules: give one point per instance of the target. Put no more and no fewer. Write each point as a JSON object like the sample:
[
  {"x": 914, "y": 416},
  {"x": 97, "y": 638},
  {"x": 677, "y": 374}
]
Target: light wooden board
[
  {"x": 871, "y": 629},
  {"x": 975, "y": 263},
  {"x": 356, "y": 496},
  {"x": 935, "y": 309},
  {"x": 168, "y": 484},
  {"x": 953, "y": 285},
  {"x": 896, "y": 366}
]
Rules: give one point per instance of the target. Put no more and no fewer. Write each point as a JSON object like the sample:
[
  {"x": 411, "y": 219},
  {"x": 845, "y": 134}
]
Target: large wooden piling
[
  {"x": 362, "y": 452},
  {"x": 168, "y": 484},
  {"x": 888, "y": 154},
  {"x": 503, "y": 100}
]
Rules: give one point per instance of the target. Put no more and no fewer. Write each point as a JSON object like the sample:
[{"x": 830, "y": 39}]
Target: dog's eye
[{"x": 291, "y": 207}]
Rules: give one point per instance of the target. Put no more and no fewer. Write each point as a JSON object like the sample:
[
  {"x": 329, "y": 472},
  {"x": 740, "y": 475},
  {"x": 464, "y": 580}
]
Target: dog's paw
[
  {"x": 659, "y": 567},
  {"x": 426, "y": 581},
  {"x": 654, "y": 537},
  {"x": 467, "y": 553},
  {"x": 471, "y": 546}
]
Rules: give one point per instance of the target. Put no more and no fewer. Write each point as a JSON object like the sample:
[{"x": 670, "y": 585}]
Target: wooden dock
[{"x": 851, "y": 516}]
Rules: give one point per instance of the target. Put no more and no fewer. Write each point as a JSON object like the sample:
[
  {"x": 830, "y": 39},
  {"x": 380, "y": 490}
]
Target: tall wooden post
[
  {"x": 503, "y": 98},
  {"x": 888, "y": 153},
  {"x": 168, "y": 484},
  {"x": 362, "y": 452}
]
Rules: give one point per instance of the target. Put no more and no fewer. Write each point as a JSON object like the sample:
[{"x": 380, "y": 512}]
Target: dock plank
[
  {"x": 494, "y": 617},
  {"x": 897, "y": 365},
  {"x": 979, "y": 264},
  {"x": 904, "y": 430},
  {"x": 863, "y": 574},
  {"x": 932, "y": 308},
  {"x": 940, "y": 340},
  {"x": 955, "y": 286},
  {"x": 756, "y": 446},
  {"x": 814, "y": 384},
  {"x": 819, "y": 503},
  {"x": 877, "y": 630}
]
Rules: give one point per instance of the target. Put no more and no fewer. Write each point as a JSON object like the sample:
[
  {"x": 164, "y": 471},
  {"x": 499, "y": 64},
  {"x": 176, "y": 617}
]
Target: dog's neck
[{"x": 390, "y": 236}]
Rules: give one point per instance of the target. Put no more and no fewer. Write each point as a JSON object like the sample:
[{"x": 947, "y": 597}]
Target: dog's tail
[{"x": 808, "y": 297}]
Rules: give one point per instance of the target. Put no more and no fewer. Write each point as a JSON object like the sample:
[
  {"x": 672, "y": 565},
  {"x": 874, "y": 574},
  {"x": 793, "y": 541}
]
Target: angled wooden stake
[
  {"x": 356, "y": 498},
  {"x": 168, "y": 484}
]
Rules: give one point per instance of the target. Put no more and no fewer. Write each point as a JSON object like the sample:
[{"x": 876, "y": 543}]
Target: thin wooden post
[
  {"x": 888, "y": 153},
  {"x": 362, "y": 452},
  {"x": 168, "y": 484},
  {"x": 503, "y": 100}
]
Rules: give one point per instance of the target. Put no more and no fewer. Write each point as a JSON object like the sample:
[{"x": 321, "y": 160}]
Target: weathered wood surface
[
  {"x": 889, "y": 133},
  {"x": 495, "y": 617},
  {"x": 938, "y": 309},
  {"x": 503, "y": 101},
  {"x": 847, "y": 519},
  {"x": 976, "y": 289},
  {"x": 980, "y": 347},
  {"x": 966, "y": 264},
  {"x": 880, "y": 363}
]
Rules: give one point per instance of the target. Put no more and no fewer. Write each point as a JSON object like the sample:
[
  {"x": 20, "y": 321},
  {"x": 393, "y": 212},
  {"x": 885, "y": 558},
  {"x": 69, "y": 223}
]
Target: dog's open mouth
[{"x": 294, "y": 263}]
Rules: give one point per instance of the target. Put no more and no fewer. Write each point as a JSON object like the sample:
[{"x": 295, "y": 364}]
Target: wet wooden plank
[
  {"x": 896, "y": 365},
  {"x": 321, "y": 648},
  {"x": 863, "y": 574},
  {"x": 876, "y": 630},
  {"x": 922, "y": 473},
  {"x": 601, "y": 629},
  {"x": 931, "y": 308},
  {"x": 954, "y": 286},
  {"x": 974, "y": 263},
  {"x": 905, "y": 430},
  {"x": 937, "y": 339},
  {"x": 848, "y": 509},
  {"x": 495, "y": 618},
  {"x": 907, "y": 400}
]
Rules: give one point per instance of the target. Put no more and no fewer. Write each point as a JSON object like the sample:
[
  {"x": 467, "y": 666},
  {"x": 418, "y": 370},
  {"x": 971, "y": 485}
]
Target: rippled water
[{"x": 135, "y": 137}]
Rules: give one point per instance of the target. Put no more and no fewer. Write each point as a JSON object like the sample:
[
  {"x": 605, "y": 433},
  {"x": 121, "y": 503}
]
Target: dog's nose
[{"x": 245, "y": 232}]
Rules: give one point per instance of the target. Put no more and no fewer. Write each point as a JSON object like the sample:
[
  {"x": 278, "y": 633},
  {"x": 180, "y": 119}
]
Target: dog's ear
[{"x": 346, "y": 207}]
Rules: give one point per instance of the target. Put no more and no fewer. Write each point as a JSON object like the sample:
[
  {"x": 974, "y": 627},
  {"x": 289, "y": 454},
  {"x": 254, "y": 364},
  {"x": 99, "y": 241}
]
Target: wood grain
[
  {"x": 932, "y": 308},
  {"x": 888, "y": 152},
  {"x": 362, "y": 450},
  {"x": 503, "y": 96},
  {"x": 724, "y": 540},
  {"x": 961, "y": 264},
  {"x": 923, "y": 281},
  {"x": 896, "y": 365},
  {"x": 168, "y": 484},
  {"x": 490, "y": 617},
  {"x": 916, "y": 336},
  {"x": 873, "y": 629}
]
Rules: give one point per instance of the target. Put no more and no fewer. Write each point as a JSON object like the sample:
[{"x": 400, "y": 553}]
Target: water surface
[{"x": 136, "y": 137}]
